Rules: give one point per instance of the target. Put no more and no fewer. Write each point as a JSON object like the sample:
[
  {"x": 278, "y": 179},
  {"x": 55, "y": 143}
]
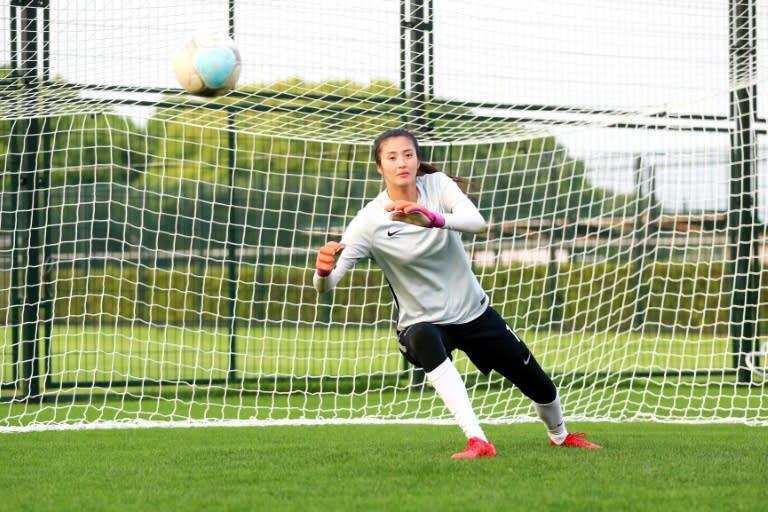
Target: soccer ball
[{"x": 207, "y": 64}]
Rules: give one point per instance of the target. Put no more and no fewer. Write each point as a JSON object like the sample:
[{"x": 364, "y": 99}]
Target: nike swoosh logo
[
  {"x": 527, "y": 359},
  {"x": 393, "y": 233}
]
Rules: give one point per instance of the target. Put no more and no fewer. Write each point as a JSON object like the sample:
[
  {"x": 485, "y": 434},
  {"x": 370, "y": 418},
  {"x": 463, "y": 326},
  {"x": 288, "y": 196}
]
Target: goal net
[{"x": 157, "y": 248}]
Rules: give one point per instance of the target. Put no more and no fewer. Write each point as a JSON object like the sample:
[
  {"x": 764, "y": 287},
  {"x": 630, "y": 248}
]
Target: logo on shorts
[{"x": 393, "y": 232}]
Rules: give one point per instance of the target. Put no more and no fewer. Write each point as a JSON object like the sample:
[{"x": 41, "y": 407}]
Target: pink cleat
[
  {"x": 476, "y": 448},
  {"x": 576, "y": 440}
]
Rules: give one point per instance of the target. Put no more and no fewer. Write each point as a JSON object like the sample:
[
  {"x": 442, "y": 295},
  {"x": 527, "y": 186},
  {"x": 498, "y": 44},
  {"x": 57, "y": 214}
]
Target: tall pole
[
  {"x": 741, "y": 212},
  {"x": 638, "y": 248},
  {"x": 27, "y": 241},
  {"x": 231, "y": 247},
  {"x": 416, "y": 63}
]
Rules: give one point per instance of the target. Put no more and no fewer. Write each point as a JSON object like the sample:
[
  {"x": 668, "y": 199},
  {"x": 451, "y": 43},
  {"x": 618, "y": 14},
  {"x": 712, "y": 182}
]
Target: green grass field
[
  {"x": 395, "y": 467},
  {"x": 644, "y": 466}
]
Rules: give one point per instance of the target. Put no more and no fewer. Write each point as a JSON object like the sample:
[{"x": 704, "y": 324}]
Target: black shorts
[
  {"x": 487, "y": 341},
  {"x": 491, "y": 344}
]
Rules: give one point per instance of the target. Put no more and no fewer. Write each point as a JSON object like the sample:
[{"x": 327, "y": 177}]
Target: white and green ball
[{"x": 207, "y": 64}]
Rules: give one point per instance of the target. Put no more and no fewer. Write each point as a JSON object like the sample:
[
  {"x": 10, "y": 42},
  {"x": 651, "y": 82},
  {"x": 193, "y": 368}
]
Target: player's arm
[
  {"x": 334, "y": 259},
  {"x": 465, "y": 216},
  {"x": 414, "y": 213},
  {"x": 461, "y": 213},
  {"x": 325, "y": 278}
]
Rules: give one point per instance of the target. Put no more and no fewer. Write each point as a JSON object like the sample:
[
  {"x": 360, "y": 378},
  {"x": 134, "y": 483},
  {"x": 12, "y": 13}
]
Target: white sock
[
  {"x": 552, "y": 416},
  {"x": 448, "y": 384}
]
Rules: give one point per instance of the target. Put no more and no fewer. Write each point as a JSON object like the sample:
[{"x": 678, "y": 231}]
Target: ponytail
[
  {"x": 425, "y": 168},
  {"x": 463, "y": 183}
]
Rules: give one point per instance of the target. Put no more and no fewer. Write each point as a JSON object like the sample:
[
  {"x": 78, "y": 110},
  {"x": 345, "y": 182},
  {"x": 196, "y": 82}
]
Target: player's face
[{"x": 399, "y": 163}]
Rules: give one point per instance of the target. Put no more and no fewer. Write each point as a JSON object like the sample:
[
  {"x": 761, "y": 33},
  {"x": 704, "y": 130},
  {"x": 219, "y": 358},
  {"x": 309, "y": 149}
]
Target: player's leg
[
  {"x": 425, "y": 346},
  {"x": 494, "y": 345},
  {"x": 534, "y": 382}
]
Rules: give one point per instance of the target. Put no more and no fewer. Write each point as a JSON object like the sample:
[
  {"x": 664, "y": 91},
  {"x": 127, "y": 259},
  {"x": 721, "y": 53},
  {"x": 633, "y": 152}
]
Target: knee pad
[{"x": 423, "y": 345}]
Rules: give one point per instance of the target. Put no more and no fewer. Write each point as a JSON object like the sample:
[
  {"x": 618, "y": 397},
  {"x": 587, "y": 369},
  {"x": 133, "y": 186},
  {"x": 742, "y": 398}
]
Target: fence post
[
  {"x": 416, "y": 63},
  {"x": 741, "y": 209},
  {"x": 638, "y": 246},
  {"x": 27, "y": 242}
]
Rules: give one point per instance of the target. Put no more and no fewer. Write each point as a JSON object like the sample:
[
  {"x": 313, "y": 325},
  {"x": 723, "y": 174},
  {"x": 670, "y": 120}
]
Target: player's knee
[
  {"x": 543, "y": 390},
  {"x": 516, "y": 362},
  {"x": 423, "y": 344},
  {"x": 533, "y": 381}
]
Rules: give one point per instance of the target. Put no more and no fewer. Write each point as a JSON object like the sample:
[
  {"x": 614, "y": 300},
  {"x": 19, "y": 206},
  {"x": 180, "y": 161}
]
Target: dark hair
[{"x": 424, "y": 167}]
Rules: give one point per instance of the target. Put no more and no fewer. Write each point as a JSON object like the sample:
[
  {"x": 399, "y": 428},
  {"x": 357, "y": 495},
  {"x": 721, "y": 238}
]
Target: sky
[{"x": 636, "y": 55}]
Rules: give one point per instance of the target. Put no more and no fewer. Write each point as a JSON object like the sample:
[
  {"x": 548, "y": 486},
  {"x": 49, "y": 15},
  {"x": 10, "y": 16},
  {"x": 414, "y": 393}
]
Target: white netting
[{"x": 174, "y": 237}]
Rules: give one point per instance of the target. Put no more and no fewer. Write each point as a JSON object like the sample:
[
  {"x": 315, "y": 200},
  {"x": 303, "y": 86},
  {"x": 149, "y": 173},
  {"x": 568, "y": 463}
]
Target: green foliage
[
  {"x": 270, "y": 147},
  {"x": 252, "y": 173},
  {"x": 591, "y": 297}
]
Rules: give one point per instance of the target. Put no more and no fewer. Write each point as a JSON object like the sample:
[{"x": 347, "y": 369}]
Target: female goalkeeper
[{"x": 412, "y": 231}]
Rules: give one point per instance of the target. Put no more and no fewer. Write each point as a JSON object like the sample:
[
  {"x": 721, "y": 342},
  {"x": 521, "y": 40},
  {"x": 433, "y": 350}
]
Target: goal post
[{"x": 157, "y": 249}]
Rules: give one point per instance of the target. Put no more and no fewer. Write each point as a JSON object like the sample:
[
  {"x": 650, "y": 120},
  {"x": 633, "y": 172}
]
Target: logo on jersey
[{"x": 393, "y": 232}]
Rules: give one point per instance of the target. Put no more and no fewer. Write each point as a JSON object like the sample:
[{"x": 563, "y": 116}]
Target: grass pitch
[{"x": 643, "y": 466}]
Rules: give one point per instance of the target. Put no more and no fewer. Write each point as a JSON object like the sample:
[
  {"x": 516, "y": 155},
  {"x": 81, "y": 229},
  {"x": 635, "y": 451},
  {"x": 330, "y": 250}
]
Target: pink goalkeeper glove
[{"x": 414, "y": 213}]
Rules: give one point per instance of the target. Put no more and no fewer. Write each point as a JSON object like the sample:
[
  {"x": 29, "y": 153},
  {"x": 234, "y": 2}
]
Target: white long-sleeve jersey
[{"x": 427, "y": 268}]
